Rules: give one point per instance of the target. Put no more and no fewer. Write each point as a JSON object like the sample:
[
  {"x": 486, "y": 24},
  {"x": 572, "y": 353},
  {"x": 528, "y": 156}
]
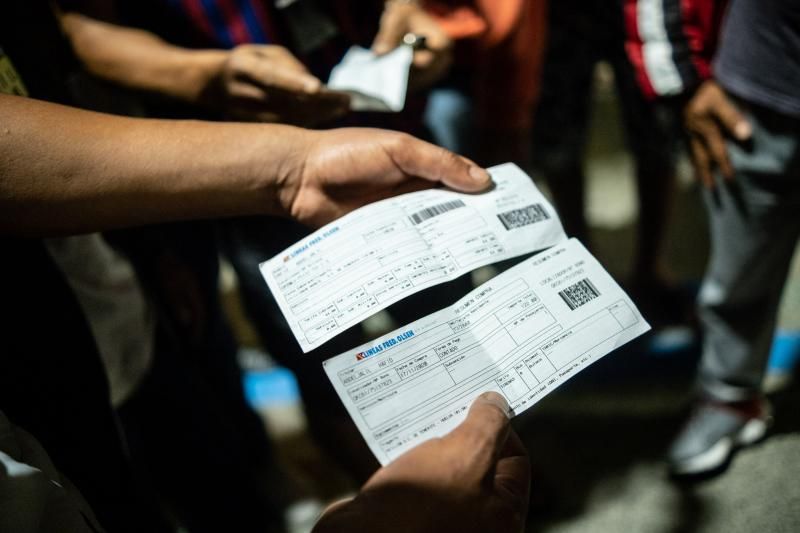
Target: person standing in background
[
  {"x": 484, "y": 106},
  {"x": 580, "y": 35},
  {"x": 734, "y": 70}
]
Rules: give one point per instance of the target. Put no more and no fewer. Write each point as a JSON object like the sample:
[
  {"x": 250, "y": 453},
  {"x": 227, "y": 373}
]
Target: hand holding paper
[
  {"x": 521, "y": 334},
  {"x": 266, "y": 83},
  {"x": 473, "y": 480},
  {"x": 346, "y": 168},
  {"x": 379, "y": 254}
]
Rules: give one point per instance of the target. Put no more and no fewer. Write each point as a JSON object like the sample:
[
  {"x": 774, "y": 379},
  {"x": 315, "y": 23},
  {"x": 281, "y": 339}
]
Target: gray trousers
[{"x": 754, "y": 224}]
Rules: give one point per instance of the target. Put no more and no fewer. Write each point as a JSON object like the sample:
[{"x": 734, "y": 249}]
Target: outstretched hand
[
  {"x": 341, "y": 170},
  {"x": 266, "y": 83},
  {"x": 475, "y": 479}
]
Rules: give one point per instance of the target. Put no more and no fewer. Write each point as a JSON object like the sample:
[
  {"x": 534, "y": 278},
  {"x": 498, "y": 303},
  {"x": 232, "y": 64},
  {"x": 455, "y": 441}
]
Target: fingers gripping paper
[
  {"x": 521, "y": 334},
  {"x": 381, "y": 253}
]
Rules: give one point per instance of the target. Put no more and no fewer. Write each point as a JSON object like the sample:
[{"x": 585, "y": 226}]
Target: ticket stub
[
  {"x": 375, "y": 83},
  {"x": 521, "y": 334},
  {"x": 383, "y": 252}
]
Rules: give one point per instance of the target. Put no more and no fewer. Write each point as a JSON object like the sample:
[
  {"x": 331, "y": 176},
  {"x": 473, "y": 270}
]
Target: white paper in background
[
  {"x": 383, "y": 252},
  {"x": 375, "y": 83},
  {"x": 521, "y": 334}
]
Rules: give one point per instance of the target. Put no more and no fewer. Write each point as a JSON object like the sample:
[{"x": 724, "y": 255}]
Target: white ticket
[
  {"x": 375, "y": 83},
  {"x": 383, "y": 252},
  {"x": 522, "y": 334}
]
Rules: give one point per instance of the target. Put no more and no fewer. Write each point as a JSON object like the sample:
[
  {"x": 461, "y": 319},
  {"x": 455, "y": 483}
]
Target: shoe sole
[{"x": 716, "y": 456}]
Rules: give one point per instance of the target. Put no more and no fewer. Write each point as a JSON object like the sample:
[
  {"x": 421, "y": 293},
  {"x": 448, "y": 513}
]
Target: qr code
[
  {"x": 578, "y": 294},
  {"x": 435, "y": 210},
  {"x": 524, "y": 216}
]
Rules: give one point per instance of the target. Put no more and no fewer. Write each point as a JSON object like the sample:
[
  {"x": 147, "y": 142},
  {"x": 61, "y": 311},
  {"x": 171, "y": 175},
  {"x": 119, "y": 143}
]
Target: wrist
[
  {"x": 222, "y": 169},
  {"x": 199, "y": 75},
  {"x": 289, "y": 151}
]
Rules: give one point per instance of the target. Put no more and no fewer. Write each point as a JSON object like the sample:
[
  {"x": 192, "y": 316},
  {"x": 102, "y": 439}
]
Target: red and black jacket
[{"x": 671, "y": 43}]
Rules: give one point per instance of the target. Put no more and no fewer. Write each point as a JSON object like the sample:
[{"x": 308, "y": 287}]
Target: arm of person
[
  {"x": 672, "y": 57},
  {"x": 64, "y": 170},
  {"x": 475, "y": 479},
  {"x": 264, "y": 83},
  {"x": 140, "y": 60}
]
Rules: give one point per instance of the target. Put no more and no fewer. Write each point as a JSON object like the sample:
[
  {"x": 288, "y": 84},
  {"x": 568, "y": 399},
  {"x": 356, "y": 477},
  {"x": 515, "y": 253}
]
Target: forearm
[
  {"x": 65, "y": 171},
  {"x": 141, "y": 60}
]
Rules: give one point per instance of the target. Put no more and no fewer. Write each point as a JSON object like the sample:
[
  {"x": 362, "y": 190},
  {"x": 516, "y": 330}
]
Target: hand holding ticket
[
  {"x": 374, "y": 256},
  {"x": 473, "y": 480},
  {"x": 521, "y": 334}
]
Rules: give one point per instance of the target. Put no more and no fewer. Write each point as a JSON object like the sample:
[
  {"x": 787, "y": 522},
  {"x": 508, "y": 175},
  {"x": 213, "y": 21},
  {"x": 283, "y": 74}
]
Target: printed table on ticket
[{"x": 522, "y": 334}]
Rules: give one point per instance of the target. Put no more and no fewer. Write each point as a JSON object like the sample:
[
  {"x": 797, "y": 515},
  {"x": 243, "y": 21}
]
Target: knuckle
[
  {"x": 448, "y": 158},
  {"x": 403, "y": 142},
  {"x": 242, "y": 51},
  {"x": 237, "y": 63}
]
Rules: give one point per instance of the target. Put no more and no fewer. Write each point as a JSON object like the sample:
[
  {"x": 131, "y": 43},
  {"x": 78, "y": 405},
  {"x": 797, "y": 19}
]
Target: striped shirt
[
  {"x": 228, "y": 23},
  {"x": 671, "y": 42}
]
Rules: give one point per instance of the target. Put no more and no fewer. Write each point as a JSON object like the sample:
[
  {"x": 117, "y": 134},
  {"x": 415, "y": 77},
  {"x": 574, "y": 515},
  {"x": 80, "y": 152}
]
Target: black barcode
[
  {"x": 524, "y": 216},
  {"x": 578, "y": 294},
  {"x": 435, "y": 210}
]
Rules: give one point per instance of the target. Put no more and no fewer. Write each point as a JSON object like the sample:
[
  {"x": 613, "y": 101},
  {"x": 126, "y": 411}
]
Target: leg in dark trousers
[
  {"x": 190, "y": 419},
  {"x": 248, "y": 242},
  {"x": 52, "y": 384}
]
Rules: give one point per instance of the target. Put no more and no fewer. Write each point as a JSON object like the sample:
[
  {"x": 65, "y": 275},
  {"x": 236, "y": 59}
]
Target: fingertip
[
  {"x": 381, "y": 49},
  {"x": 423, "y": 59},
  {"x": 480, "y": 176},
  {"x": 743, "y": 131},
  {"x": 312, "y": 85}
]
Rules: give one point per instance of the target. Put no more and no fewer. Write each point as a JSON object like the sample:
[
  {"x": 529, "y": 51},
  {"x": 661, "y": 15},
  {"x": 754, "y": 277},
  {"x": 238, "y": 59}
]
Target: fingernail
[
  {"x": 497, "y": 400},
  {"x": 743, "y": 131},
  {"x": 381, "y": 49},
  {"x": 481, "y": 176}
]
